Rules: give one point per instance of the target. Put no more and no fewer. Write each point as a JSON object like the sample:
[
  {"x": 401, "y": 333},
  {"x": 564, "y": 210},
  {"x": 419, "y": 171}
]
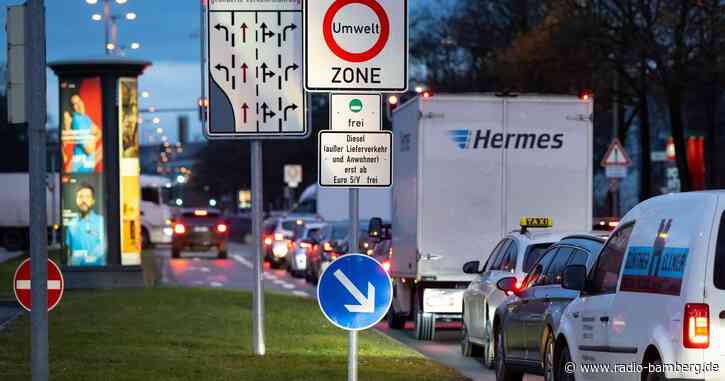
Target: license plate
[{"x": 201, "y": 229}]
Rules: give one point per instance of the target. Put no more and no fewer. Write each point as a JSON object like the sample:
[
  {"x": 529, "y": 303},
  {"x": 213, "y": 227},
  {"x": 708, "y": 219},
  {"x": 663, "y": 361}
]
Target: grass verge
[
  {"x": 201, "y": 334},
  {"x": 7, "y": 271}
]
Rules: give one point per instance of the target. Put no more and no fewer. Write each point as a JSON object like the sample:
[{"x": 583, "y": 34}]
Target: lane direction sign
[
  {"x": 255, "y": 73},
  {"x": 23, "y": 287},
  {"x": 355, "y": 292},
  {"x": 356, "y": 45},
  {"x": 355, "y": 159},
  {"x": 356, "y": 112}
]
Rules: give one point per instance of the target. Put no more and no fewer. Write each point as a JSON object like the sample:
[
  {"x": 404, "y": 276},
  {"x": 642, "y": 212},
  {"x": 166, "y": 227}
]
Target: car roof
[
  {"x": 536, "y": 237},
  {"x": 591, "y": 243},
  {"x": 315, "y": 225}
]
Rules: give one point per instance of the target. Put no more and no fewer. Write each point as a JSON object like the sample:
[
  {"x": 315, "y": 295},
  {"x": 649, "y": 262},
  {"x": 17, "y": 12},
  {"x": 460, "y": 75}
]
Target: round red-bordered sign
[
  {"x": 368, "y": 54},
  {"x": 22, "y": 285}
]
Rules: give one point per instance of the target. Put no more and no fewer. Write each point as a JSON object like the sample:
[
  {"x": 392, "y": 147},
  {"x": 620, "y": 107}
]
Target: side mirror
[
  {"x": 472, "y": 267},
  {"x": 375, "y": 228},
  {"x": 507, "y": 285},
  {"x": 574, "y": 278}
]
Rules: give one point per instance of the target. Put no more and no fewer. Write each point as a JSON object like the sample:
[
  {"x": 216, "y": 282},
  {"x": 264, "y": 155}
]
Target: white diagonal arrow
[{"x": 367, "y": 304}]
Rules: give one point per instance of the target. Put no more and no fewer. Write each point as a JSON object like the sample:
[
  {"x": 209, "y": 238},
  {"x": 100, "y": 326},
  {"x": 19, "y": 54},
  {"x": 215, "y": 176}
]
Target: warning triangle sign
[{"x": 616, "y": 155}]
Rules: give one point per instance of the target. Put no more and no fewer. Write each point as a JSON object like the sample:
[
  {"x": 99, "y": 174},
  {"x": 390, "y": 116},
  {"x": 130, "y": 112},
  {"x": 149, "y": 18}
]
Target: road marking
[
  {"x": 196, "y": 259},
  {"x": 278, "y": 281},
  {"x": 243, "y": 261},
  {"x": 205, "y": 269},
  {"x": 301, "y": 293},
  {"x": 288, "y": 286},
  {"x": 216, "y": 284},
  {"x": 25, "y": 285}
]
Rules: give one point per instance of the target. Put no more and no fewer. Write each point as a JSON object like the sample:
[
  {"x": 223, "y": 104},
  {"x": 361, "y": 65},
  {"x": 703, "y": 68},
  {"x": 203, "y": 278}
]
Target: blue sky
[{"x": 168, "y": 31}]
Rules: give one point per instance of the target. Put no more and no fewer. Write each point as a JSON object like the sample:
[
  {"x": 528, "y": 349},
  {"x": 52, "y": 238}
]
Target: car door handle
[
  {"x": 575, "y": 315},
  {"x": 722, "y": 315},
  {"x": 604, "y": 319}
]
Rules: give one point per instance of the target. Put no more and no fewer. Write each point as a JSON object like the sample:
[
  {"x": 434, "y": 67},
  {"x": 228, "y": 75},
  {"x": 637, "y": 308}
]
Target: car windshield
[
  {"x": 289, "y": 225},
  {"x": 533, "y": 253},
  {"x": 339, "y": 231}
]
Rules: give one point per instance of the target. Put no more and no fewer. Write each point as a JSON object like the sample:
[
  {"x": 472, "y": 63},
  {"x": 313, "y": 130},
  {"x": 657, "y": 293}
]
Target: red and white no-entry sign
[
  {"x": 23, "y": 287},
  {"x": 356, "y": 45}
]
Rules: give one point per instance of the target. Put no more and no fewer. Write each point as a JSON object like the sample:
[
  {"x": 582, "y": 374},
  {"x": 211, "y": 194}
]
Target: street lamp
[{"x": 111, "y": 25}]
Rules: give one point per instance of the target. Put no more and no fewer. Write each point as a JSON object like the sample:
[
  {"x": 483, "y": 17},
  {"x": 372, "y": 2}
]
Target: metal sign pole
[
  {"x": 36, "y": 111},
  {"x": 257, "y": 292},
  {"x": 354, "y": 244}
]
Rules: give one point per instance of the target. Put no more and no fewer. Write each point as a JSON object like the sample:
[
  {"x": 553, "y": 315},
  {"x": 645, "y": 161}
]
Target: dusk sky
[{"x": 168, "y": 31}]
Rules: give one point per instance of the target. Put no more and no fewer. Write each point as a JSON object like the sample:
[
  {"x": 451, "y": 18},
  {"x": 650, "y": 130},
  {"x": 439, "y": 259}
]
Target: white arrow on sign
[{"x": 367, "y": 304}]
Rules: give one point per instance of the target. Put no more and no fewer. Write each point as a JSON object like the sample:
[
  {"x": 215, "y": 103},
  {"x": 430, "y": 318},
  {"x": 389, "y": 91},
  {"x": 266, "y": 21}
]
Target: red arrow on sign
[{"x": 23, "y": 287}]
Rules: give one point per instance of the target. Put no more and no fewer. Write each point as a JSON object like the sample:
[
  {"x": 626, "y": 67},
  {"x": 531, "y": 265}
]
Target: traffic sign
[
  {"x": 355, "y": 159},
  {"x": 355, "y": 292},
  {"x": 293, "y": 175},
  {"x": 356, "y": 45},
  {"x": 616, "y": 155},
  {"x": 22, "y": 285},
  {"x": 255, "y": 73},
  {"x": 356, "y": 112}
]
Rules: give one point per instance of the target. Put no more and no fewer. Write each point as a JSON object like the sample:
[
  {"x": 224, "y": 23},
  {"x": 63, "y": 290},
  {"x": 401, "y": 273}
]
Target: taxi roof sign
[{"x": 536, "y": 222}]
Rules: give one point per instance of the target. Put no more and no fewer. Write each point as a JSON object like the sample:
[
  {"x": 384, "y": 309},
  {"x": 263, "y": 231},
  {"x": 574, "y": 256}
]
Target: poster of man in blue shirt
[{"x": 85, "y": 234}]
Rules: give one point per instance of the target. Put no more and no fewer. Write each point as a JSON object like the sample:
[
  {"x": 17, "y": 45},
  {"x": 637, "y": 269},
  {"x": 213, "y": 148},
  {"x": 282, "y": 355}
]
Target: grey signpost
[
  {"x": 36, "y": 114},
  {"x": 255, "y": 92}
]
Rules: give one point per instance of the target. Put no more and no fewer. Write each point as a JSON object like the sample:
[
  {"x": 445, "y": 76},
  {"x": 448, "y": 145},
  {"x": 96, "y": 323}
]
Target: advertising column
[
  {"x": 82, "y": 172},
  {"x": 130, "y": 172}
]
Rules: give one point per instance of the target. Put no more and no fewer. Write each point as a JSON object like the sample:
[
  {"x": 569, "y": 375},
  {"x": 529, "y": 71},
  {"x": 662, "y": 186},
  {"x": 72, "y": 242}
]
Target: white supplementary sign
[
  {"x": 355, "y": 160},
  {"x": 615, "y": 171},
  {"x": 356, "y": 112},
  {"x": 293, "y": 175},
  {"x": 255, "y": 78},
  {"x": 356, "y": 45}
]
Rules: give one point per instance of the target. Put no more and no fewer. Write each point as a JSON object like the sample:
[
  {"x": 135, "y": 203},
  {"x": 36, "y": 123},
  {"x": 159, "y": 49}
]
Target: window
[
  {"x": 719, "y": 276},
  {"x": 289, "y": 225},
  {"x": 509, "y": 260},
  {"x": 500, "y": 253},
  {"x": 533, "y": 254},
  {"x": 578, "y": 258},
  {"x": 552, "y": 275},
  {"x": 606, "y": 273},
  {"x": 539, "y": 268},
  {"x": 150, "y": 195}
]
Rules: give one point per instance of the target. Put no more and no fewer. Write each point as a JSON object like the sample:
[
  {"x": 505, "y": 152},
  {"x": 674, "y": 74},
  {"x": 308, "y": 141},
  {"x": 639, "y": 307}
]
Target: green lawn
[{"x": 201, "y": 334}]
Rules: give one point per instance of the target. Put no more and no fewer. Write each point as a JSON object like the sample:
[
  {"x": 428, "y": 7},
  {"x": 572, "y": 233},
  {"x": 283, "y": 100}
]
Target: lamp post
[{"x": 110, "y": 21}]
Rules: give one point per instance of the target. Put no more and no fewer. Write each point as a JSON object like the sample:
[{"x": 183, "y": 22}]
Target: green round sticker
[{"x": 356, "y": 105}]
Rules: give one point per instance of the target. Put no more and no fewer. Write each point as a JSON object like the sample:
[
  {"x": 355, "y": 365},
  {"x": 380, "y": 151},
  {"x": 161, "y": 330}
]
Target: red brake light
[
  {"x": 268, "y": 240},
  {"x": 179, "y": 229},
  {"x": 613, "y": 224},
  {"x": 696, "y": 326},
  {"x": 327, "y": 247},
  {"x": 305, "y": 245},
  {"x": 221, "y": 228},
  {"x": 386, "y": 266}
]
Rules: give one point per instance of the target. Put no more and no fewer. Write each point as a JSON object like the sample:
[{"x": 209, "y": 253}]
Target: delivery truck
[
  {"x": 156, "y": 214},
  {"x": 467, "y": 168},
  {"x": 333, "y": 204}
]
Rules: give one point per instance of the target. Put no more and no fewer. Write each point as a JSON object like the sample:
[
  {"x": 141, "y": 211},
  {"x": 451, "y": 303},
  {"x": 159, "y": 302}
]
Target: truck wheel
[
  {"x": 395, "y": 321},
  {"x": 424, "y": 326},
  {"x": 145, "y": 239}
]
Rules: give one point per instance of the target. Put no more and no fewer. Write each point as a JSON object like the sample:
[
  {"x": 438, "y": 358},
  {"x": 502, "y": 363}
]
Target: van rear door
[{"x": 715, "y": 288}]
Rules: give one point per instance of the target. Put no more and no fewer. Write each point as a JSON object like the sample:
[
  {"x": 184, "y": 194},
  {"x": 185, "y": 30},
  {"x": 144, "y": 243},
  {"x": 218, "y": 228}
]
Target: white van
[
  {"x": 653, "y": 306},
  {"x": 156, "y": 214}
]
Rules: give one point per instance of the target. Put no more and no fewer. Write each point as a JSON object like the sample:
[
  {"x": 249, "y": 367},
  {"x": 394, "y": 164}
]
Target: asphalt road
[
  {"x": 204, "y": 270},
  {"x": 195, "y": 269}
]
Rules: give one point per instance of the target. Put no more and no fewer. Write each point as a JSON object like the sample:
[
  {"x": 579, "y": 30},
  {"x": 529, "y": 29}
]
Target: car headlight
[
  {"x": 280, "y": 251},
  {"x": 169, "y": 231}
]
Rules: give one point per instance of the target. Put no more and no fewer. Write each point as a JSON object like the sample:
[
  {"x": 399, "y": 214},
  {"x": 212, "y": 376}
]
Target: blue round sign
[{"x": 355, "y": 292}]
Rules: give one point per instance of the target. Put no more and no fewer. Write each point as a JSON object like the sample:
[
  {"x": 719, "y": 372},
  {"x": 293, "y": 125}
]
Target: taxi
[
  {"x": 653, "y": 305},
  {"x": 514, "y": 256}
]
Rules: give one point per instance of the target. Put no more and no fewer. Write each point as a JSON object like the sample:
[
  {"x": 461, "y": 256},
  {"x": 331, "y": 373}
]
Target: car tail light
[
  {"x": 179, "y": 229},
  {"x": 613, "y": 224},
  {"x": 696, "y": 331},
  {"x": 268, "y": 240},
  {"x": 278, "y": 237},
  {"x": 306, "y": 245},
  {"x": 221, "y": 228},
  {"x": 386, "y": 266}
]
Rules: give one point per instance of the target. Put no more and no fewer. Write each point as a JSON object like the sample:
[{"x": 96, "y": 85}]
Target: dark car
[
  {"x": 200, "y": 230},
  {"x": 524, "y": 325},
  {"x": 332, "y": 244}
]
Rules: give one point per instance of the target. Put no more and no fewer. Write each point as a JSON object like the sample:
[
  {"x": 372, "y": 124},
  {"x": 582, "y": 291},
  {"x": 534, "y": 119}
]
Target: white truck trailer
[
  {"x": 333, "y": 204},
  {"x": 467, "y": 168},
  {"x": 15, "y": 217}
]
